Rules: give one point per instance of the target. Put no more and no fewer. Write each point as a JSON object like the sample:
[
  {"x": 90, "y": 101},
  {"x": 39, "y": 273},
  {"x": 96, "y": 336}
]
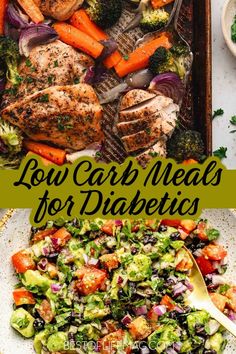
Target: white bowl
[{"x": 229, "y": 12}]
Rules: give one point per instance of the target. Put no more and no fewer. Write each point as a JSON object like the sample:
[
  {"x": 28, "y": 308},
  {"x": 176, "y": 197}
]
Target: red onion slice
[
  {"x": 110, "y": 46},
  {"x": 42, "y": 264},
  {"x": 93, "y": 261},
  {"x": 170, "y": 85},
  {"x": 15, "y": 17},
  {"x": 35, "y": 35}
]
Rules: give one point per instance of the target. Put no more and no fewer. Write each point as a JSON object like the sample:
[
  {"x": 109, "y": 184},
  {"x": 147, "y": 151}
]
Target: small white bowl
[{"x": 229, "y": 12}]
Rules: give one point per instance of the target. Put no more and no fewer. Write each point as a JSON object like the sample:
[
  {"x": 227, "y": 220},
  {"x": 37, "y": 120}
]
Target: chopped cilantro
[
  {"x": 220, "y": 153},
  {"x": 55, "y": 63},
  {"x": 233, "y": 120},
  {"x": 28, "y": 63},
  {"x": 23, "y": 322},
  {"x": 233, "y": 30},
  {"x": 126, "y": 57},
  {"x": 223, "y": 288},
  {"x": 44, "y": 98}
]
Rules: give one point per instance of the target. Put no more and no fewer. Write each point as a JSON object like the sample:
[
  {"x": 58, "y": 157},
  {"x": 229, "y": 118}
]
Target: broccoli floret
[
  {"x": 153, "y": 20},
  {"x": 164, "y": 60},
  {"x": 105, "y": 13},
  {"x": 9, "y": 57},
  {"x": 185, "y": 145},
  {"x": 11, "y": 137}
]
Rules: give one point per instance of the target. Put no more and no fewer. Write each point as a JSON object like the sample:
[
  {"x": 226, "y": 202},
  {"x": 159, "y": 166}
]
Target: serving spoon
[{"x": 200, "y": 299}]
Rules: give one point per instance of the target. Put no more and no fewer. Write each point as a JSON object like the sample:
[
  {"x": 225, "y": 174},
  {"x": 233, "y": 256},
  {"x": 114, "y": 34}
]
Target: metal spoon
[{"x": 200, "y": 299}]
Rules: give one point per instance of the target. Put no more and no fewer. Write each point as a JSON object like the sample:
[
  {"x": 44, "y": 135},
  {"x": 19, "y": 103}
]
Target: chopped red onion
[
  {"x": 55, "y": 288},
  {"x": 119, "y": 280},
  {"x": 55, "y": 242},
  {"x": 177, "y": 346},
  {"x": 144, "y": 350},
  {"x": 93, "y": 261},
  {"x": 232, "y": 315},
  {"x": 95, "y": 74},
  {"x": 86, "y": 258},
  {"x": 126, "y": 320},
  {"x": 189, "y": 285},
  {"x": 35, "y": 35},
  {"x": 170, "y": 85},
  {"x": 2, "y": 84},
  {"x": 170, "y": 351},
  {"x": 118, "y": 223},
  {"x": 198, "y": 253},
  {"x": 218, "y": 279},
  {"x": 42, "y": 264},
  {"x": 45, "y": 251},
  {"x": 179, "y": 289},
  {"x": 178, "y": 309},
  {"x": 139, "y": 311},
  {"x": 160, "y": 310}
]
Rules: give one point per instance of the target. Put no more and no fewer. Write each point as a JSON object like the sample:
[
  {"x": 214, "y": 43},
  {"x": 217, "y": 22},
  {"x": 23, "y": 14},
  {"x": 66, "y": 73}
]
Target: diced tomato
[
  {"x": 172, "y": 223},
  {"x": 41, "y": 235},
  {"x": 62, "y": 235},
  {"x": 168, "y": 302},
  {"x": 91, "y": 279},
  {"x": 219, "y": 300},
  {"x": 109, "y": 343},
  {"x": 183, "y": 261},
  {"x": 45, "y": 311},
  {"x": 108, "y": 227},
  {"x": 23, "y": 297},
  {"x": 153, "y": 319},
  {"x": 110, "y": 261},
  {"x": 214, "y": 252},
  {"x": 23, "y": 261},
  {"x": 202, "y": 231},
  {"x": 153, "y": 224},
  {"x": 188, "y": 225},
  {"x": 231, "y": 295},
  {"x": 206, "y": 267},
  {"x": 111, "y": 326}
]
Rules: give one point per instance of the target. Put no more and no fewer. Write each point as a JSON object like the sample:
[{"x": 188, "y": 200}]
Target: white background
[{"x": 224, "y": 88}]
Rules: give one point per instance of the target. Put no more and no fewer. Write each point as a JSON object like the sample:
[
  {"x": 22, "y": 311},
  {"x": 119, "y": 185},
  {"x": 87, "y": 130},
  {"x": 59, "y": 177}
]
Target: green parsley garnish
[
  {"x": 220, "y": 153},
  {"x": 217, "y": 113},
  {"x": 44, "y": 98}
]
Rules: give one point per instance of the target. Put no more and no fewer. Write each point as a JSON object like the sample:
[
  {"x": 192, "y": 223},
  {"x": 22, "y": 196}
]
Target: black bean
[
  {"x": 162, "y": 228},
  {"x": 175, "y": 235},
  {"x": 134, "y": 250},
  {"x": 39, "y": 324}
]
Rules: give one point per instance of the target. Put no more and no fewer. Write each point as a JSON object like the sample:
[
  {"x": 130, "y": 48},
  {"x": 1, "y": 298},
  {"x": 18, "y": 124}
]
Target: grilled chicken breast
[
  {"x": 59, "y": 9},
  {"x": 49, "y": 65},
  {"x": 68, "y": 116},
  {"x": 159, "y": 149},
  {"x": 151, "y": 117}
]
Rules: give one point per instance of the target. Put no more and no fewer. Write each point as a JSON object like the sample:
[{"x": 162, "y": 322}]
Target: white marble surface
[{"x": 224, "y": 88}]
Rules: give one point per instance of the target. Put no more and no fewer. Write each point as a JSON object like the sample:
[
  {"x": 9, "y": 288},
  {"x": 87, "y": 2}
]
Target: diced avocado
[
  {"x": 35, "y": 282},
  {"x": 198, "y": 318},
  {"x": 90, "y": 332},
  {"x": 215, "y": 342},
  {"x": 57, "y": 342},
  {"x": 177, "y": 245},
  {"x": 95, "y": 308},
  {"x": 37, "y": 248},
  {"x": 163, "y": 338},
  {"x": 140, "y": 268},
  {"x": 115, "y": 286},
  {"x": 186, "y": 346},
  {"x": 40, "y": 340},
  {"x": 22, "y": 321},
  {"x": 167, "y": 260}
]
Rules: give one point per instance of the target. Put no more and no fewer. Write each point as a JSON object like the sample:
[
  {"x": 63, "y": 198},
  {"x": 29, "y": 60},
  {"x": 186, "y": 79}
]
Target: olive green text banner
[{"x": 88, "y": 189}]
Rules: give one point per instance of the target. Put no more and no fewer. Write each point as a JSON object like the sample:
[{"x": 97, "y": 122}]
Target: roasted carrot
[
  {"x": 81, "y": 21},
  {"x": 189, "y": 162},
  {"x": 3, "y": 6},
  {"x": 45, "y": 162},
  {"x": 78, "y": 39},
  {"x": 55, "y": 155},
  {"x": 139, "y": 59},
  {"x": 157, "y": 4},
  {"x": 32, "y": 10}
]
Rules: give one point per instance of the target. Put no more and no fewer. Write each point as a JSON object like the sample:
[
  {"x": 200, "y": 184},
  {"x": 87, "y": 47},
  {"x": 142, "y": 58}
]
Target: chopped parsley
[
  {"x": 44, "y": 98},
  {"x": 126, "y": 57},
  {"x": 220, "y": 153},
  {"x": 223, "y": 288},
  {"x": 217, "y": 113},
  {"x": 233, "y": 30},
  {"x": 212, "y": 234},
  {"x": 56, "y": 64},
  {"x": 28, "y": 63},
  {"x": 233, "y": 120}
]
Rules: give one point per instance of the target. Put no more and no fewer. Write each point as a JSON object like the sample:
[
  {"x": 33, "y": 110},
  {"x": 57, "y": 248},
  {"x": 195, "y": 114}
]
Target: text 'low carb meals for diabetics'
[
  {"x": 120, "y": 287},
  {"x": 53, "y": 54}
]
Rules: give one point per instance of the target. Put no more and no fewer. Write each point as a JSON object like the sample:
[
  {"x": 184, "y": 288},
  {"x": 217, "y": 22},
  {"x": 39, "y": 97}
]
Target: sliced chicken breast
[
  {"x": 68, "y": 116},
  {"x": 49, "y": 65},
  {"x": 159, "y": 149},
  {"x": 135, "y": 97},
  {"x": 59, "y": 9}
]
